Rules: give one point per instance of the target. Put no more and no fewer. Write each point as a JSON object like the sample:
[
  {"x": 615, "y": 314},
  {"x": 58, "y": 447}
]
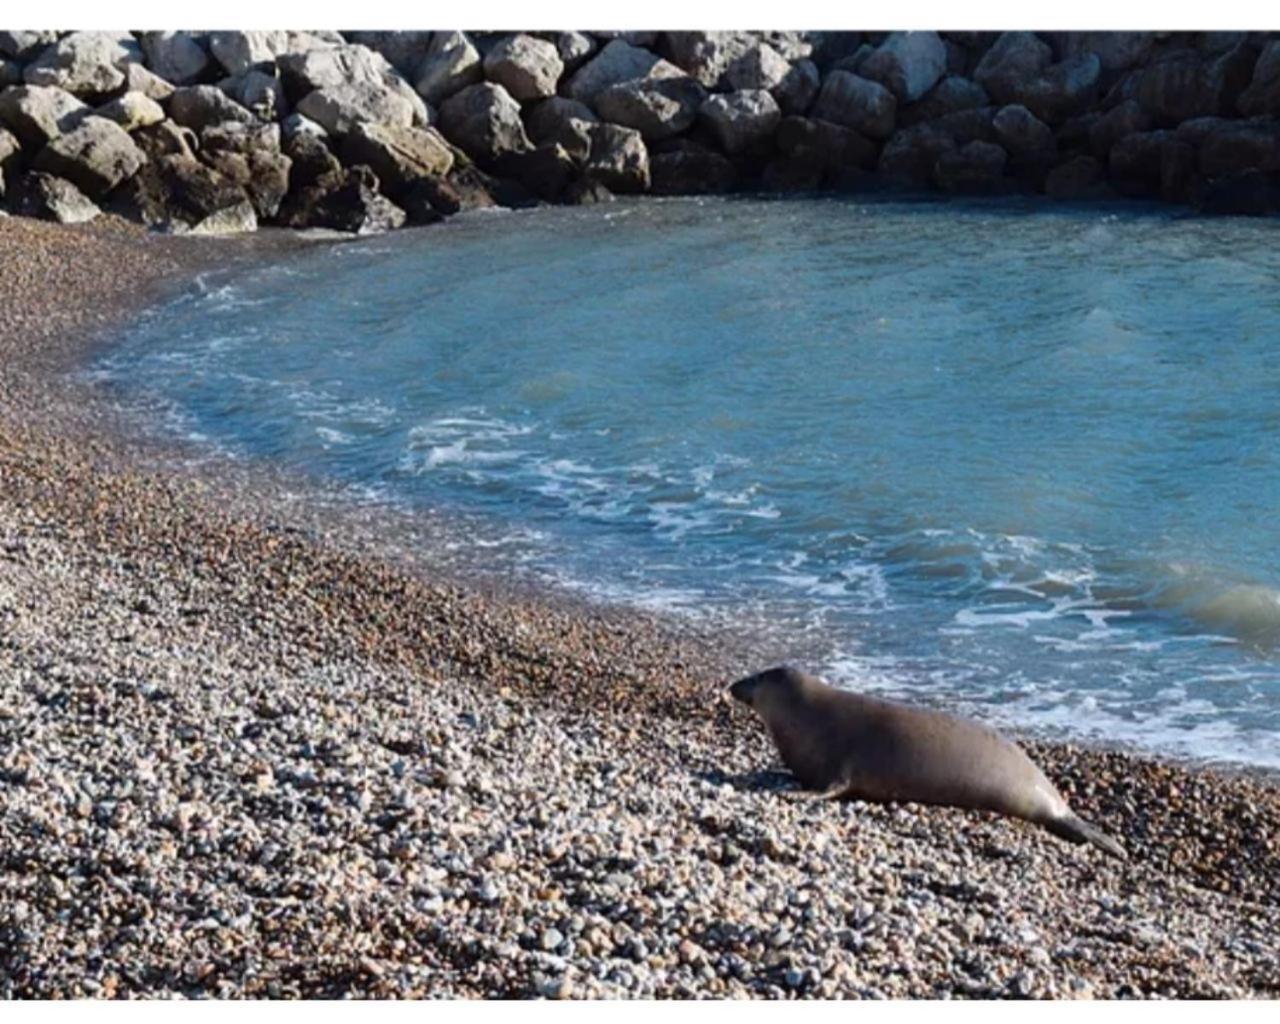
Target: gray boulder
[
  {"x": 1262, "y": 97},
  {"x": 485, "y": 121},
  {"x": 25, "y": 45},
  {"x": 544, "y": 120},
  {"x": 85, "y": 63},
  {"x": 656, "y": 107},
  {"x": 398, "y": 156},
  {"x": 908, "y": 64},
  {"x": 1027, "y": 139},
  {"x": 617, "y": 62},
  {"x": 527, "y": 67},
  {"x": 1185, "y": 85},
  {"x": 758, "y": 67},
  {"x": 177, "y": 57},
  {"x": 237, "y": 52},
  {"x": 198, "y": 106},
  {"x": 975, "y": 169},
  {"x": 340, "y": 108},
  {"x": 404, "y": 51},
  {"x": 131, "y": 111},
  {"x": 36, "y": 114},
  {"x": 1124, "y": 119},
  {"x": 51, "y": 198},
  {"x": 452, "y": 63},
  {"x": 707, "y": 55},
  {"x": 855, "y": 102},
  {"x": 574, "y": 48},
  {"x": 250, "y": 156},
  {"x": 910, "y": 156},
  {"x": 833, "y": 147},
  {"x": 799, "y": 86},
  {"x": 355, "y": 77},
  {"x": 619, "y": 159},
  {"x": 259, "y": 92},
  {"x": 138, "y": 78},
  {"x": 742, "y": 122},
  {"x": 95, "y": 156},
  {"x": 232, "y": 220},
  {"x": 1116, "y": 51},
  {"x": 1014, "y": 59},
  {"x": 1238, "y": 146},
  {"x": 952, "y": 94},
  {"x": 1063, "y": 89}
]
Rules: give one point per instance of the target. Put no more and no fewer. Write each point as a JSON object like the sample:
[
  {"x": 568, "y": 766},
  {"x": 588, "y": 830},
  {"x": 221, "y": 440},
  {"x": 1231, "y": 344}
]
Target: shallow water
[{"x": 1015, "y": 458}]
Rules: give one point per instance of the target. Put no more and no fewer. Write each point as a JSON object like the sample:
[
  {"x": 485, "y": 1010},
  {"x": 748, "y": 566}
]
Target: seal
[{"x": 848, "y": 746}]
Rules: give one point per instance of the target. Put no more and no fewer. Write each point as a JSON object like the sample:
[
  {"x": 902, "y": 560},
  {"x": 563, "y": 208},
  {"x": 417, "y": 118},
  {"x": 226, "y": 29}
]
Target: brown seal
[{"x": 849, "y": 746}]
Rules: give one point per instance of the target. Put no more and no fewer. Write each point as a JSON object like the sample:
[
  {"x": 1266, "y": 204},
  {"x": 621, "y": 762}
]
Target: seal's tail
[{"x": 1077, "y": 830}]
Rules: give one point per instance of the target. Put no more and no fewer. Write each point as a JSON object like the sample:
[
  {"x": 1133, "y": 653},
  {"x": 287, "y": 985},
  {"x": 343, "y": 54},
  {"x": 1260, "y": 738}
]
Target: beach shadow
[{"x": 766, "y": 780}]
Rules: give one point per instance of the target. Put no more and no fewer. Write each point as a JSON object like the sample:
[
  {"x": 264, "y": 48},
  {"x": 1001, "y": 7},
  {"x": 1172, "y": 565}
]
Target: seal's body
[{"x": 847, "y": 745}]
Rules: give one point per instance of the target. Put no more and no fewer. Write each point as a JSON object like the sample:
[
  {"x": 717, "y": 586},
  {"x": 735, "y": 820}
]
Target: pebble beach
[{"x": 251, "y": 748}]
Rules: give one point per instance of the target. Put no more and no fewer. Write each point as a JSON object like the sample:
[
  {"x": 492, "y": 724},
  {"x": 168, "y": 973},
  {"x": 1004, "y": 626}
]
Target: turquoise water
[{"x": 1011, "y": 458}]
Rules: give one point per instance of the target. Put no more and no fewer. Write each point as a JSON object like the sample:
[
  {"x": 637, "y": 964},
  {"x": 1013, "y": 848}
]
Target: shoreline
[{"x": 106, "y": 541}]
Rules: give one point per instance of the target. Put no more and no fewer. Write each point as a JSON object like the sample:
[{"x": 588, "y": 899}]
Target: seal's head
[{"x": 760, "y": 689}]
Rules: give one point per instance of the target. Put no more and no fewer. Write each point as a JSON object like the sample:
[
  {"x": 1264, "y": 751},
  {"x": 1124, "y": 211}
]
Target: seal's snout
[{"x": 742, "y": 689}]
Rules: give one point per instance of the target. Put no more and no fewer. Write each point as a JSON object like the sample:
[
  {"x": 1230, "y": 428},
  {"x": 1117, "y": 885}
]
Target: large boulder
[
  {"x": 547, "y": 171},
  {"x": 354, "y": 76},
  {"x": 404, "y": 51},
  {"x": 759, "y": 67},
  {"x": 1262, "y": 97},
  {"x": 952, "y": 94},
  {"x": 177, "y": 57},
  {"x": 574, "y": 48},
  {"x": 1184, "y": 85},
  {"x": 544, "y": 120},
  {"x": 398, "y": 156},
  {"x": 95, "y": 156},
  {"x": 10, "y": 157},
  {"x": 1081, "y": 177},
  {"x": 834, "y": 146},
  {"x": 617, "y": 62},
  {"x": 619, "y": 159},
  {"x": 1250, "y": 193},
  {"x": 38, "y": 113},
  {"x": 10, "y": 73},
  {"x": 23, "y": 46},
  {"x": 527, "y": 67},
  {"x": 177, "y": 192},
  {"x": 908, "y": 64},
  {"x": 340, "y": 108},
  {"x": 1028, "y": 140},
  {"x": 166, "y": 138},
  {"x": 1238, "y": 146},
  {"x": 707, "y": 55},
  {"x": 85, "y": 63},
  {"x": 138, "y": 78},
  {"x": 131, "y": 111},
  {"x": 742, "y": 122},
  {"x": 1015, "y": 59},
  {"x": 856, "y": 102},
  {"x": 974, "y": 169},
  {"x": 349, "y": 203},
  {"x": 51, "y": 198},
  {"x": 690, "y": 170},
  {"x": 910, "y": 155},
  {"x": 1135, "y": 162},
  {"x": 259, "y": 92},
  {"x": 452, "y": 63},
  {"x": 198, "y": 106},
  {"x": 1116, "y": 51},
  {"x": 311, "y": 160},
  {"x": 1063, "y": 89},
  {"x": 251, "y": 157},
  {"x": 796, "y": 91},
  {"x": 485, "y": 121},
  {"x": 1121, "y": 120},
  {"x": 656, "y": 107},
  {"x": 237, "y": 52}
]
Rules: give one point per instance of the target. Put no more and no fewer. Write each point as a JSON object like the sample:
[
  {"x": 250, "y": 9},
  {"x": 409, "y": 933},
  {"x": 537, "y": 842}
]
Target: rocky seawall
[{"x": 219, "y": 132}]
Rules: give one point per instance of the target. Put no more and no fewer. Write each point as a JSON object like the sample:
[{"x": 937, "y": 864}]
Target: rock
[
  {"x": 10, "y": 157},
  {"x": 1184, "y": 85},
  {"x": 1124, "y": 119},
  {"x": 259, "y": 92},
  {"x": 952, "y": 94},
  {"x": 544, "y": 120},
  {"x": 452, "y": 63},
  {"x": 138, "y": 78},
  {"x": 1250, "y": 193},
  {"x": 232, "y": 220},
  {"x": 798, "y": 87},
  {"x": 300, "y": 124},
  {"x": 95, "y": 156},
  {"x": 51, "y": 198},
  {"x": 1236, "y": 147},
  {"x": 910, "y": 155},
  {"x": 690, "y": 170},
  {"x": 10, "y": 73},
  {"x": 398, "y": 156},
  {"x": 707, "y": 55},
  {"x": 586, "y": 192},
  {"x": 485, "y": 121},
  {"x": 858, "y": 103},
  {"x": 545, "y": 171},
  {"x": 976, "y": 168},
  {"x": 1116, "y": 51},
  {"x": 1028, "y": 140},
  {"x": 24, "y": 46},
  {"x": 617, "y": 62},
  {"x": 354, "y": 79},
  {"x": 618, "y": 158},
  {"x": 131, "y": 111},
  {"x": 36, "y": 114},
  {"x": 237, "y": 52},
  {"x": 837, "y": 147},
  {"x": 742, "y": 122},
  {"x": 311, "y": 160},
  {"x": 908, "y": 64},
  {"x": 1135, "y": 163},
  {"x": 1262, "y": 97},
  {"x": 1177, "y": 172},
  {"x": 465, "y": 188},
  {"x": 250, "y": 156},
  {"x": 178, "y": 190},
  {"x": 574, "y": 48},
  {"x": 338, "y": 109},
  {"x": 527, "y": 67},
  {"x": 350, "y": 204},
  {"x": 198, "y": 106},
  {"x": 1063, "y": 89},
  {"x": 655, "y": 107},
  {"x": 85, "y": 63},
  {"x": 167, "y": 139},
  {"x": 176, "y": 57},
  {"x": 854, "y": 61},
  {"x": 1014, "y": 59},
  {"x": 758, "y": 67},
  {"x": 575, "y": 137},
  {"x": 1081, "y": 177},
  {"x": 404, "y": 51}
]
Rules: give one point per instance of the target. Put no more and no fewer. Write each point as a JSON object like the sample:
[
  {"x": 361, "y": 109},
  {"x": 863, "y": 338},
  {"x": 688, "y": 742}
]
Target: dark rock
[
  {"x": 167, "y": 139},
  {"x": 1250, "y": 193},
  {"x": 866, "y": 106},
  {"x": 1185, "y": 85},
  {"x": 1063, "y": 89},
  {"x": 690, "y": 170},
  {"x": 1028, "y": 141},
  {"x": 398, "y": 156},
  {"x": 837, "y": 148},
  {"x": 1128, "y": 118},
  {"x": 311, "y": 160},
  {"x": 975, "y": 169},
  {"x": 618, "y": 158},
  {"x": 1262, "y": 97},
  {"x": 909, "y": 157},
  {"x": 951, "y": 95},
  {"x": 351, "y": 203},
  {"x": 965, "y": 126},
  {"x": 259, "y": 92},
  {"x": 51, "y": 198},
  {"x": 798, "y": 88},
  {"x": 1081, "y": 177},
  {"x": 545, "y": 171},
  {"x": 1015, "y": 59},
  {"x": 1177, "y": 171},
  {"x": 707, "y": 55},
  {"x": 544, "y": 120},
  {"x": 1236, "y": 147},
  {"x": 586, "y": 192},
  {"x": 179, "y": 190},
  {"x": 250, "y": 156},
  {"x": 1135, "y": 163},
  {"x": 24, "y": 46}
]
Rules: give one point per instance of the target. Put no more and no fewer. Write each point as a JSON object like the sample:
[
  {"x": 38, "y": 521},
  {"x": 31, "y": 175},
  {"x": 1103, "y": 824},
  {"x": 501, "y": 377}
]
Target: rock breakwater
[{"x": 218, "y": 132}]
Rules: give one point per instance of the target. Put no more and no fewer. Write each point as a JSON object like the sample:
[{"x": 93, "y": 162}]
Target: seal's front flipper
[
  {"x": 834, "y": 792},
  {"x": 1077, "y": 830}
]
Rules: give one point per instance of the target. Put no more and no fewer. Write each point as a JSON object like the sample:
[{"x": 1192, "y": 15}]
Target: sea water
[{"x": 1008, "y": 458}]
